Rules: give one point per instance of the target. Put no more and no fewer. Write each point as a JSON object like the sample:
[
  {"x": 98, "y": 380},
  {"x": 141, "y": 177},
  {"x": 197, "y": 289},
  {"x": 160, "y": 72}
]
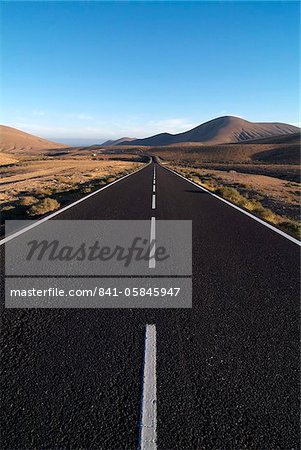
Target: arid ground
[
  {"x": 263, "y": 178},
  {"x": 31, "y": 186},
  {"x": 261, "y": 175}
]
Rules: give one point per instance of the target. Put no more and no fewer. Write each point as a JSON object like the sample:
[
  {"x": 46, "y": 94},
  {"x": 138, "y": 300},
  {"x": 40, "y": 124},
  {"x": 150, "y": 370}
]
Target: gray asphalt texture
[{"x": 227, "y": 369}]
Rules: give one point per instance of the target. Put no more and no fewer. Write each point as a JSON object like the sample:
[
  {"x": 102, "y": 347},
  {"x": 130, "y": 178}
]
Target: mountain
[
  {"x": 17, "y": 141},
  {"x": 117, "y": 141},
  {"x": 222, "y": 130},
  {"x": 291, "y": 138}
]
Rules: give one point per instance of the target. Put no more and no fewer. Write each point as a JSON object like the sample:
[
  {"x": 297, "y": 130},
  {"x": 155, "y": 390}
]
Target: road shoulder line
[
  {"x": 148, "y": 418},
  {"x": 152, "y": 260}
]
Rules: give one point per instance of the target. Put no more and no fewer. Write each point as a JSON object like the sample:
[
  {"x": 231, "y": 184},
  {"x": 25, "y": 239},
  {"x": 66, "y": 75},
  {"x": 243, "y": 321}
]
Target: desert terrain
[
  {"x": 38, "y": 176},
  {"x": 29, "y": 181},
  {"x": 221, "y": 130},
  {"x": 261, "y": 175}
]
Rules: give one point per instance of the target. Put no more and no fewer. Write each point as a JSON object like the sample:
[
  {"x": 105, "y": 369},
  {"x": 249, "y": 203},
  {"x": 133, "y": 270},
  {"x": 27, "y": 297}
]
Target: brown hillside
[
  {"x": 17, "y": 141},
  {"x": 231, "y": 153},
  {"x": 222, "y": 130}
]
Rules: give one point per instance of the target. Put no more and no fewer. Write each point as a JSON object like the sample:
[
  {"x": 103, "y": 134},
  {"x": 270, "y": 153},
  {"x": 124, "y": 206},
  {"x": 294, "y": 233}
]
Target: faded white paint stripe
[
  {"x": 154, "y": 202},
  {"x": 152, "y": 260},
  {"x": 148, "y": 420}
]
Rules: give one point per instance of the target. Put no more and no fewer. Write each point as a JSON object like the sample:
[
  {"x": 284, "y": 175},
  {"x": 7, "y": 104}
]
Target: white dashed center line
[
  {"x": 154, "y": 190},
  {"x": 148, "y": 420},
  {"x": 152, "y": 260},
  {"x": 154, "y": 202}
]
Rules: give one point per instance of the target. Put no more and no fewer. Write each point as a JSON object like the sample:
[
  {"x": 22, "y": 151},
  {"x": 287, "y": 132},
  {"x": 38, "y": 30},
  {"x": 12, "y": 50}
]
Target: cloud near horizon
[
  {"x": 82, "y": 126},
  {"x": 103, "y": 129}
]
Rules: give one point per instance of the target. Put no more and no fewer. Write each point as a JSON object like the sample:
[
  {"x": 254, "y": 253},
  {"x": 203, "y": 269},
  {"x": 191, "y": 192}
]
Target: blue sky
[{"x": 97, "y": 70}]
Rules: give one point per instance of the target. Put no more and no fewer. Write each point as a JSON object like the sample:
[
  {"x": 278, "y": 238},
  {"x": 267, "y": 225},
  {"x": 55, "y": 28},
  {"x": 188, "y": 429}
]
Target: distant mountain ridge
[
  {"x": 117, "y": 141},
  {"x": 222, "y": 130}
]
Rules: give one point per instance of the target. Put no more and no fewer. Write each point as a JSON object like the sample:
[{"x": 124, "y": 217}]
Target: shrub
[
  {"x": 8, "y": 212},
  {"x": 7, "y": 209},
  {"x": 44, "y": 206},
  {"x": 28, "y": 200},
  {"x": 236, "y": 197},
  {"x": 231, "y": 194},
  {"x": 43, "y": 192},
  {"x": 267, "y": 215},
  {"x": 292, "y": 227},
  {"x": 252, "y": 204},
  {"x": 87, "y": 190}
]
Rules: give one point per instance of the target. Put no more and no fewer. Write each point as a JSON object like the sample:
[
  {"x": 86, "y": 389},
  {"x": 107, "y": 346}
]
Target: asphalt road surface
[{"x": 227, "y": 369}]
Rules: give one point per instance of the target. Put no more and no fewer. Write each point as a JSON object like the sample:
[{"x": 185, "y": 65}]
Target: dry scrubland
[
  {"x": 269, "y": 153},
  {"x": 31, "y": 186},
  {"x": 262, "y": 178},
  {"x": 272, "y": 199}
]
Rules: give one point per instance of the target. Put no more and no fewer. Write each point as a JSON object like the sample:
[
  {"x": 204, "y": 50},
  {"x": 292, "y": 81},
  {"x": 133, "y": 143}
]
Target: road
[{"x": 227, "y": 369}]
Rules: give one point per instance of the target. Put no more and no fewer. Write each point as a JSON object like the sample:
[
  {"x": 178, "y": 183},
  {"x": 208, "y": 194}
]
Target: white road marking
[
  {"x": 152, "y": 260},
  {"x": 38, "y": 222},
  {"x": 154, "y": 188},
  {"x": 262, "y": 222},
  {"x": 154, "y": 201},
  {"x": 148, "y": 420}
]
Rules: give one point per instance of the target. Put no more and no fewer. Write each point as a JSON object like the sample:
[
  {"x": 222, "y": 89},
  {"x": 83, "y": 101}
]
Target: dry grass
[
  {"x": 285, "y": 153},
  {"x": 45, "y": 177},
  {"x": 253, "y": 196},
  {"x": 28, "y": 200},
  {"x": 43, "y": 206},
  {"x": 6, "y": 159},
  {"x": 288, "y": 172},
  {"x": 34, "y": 186}
]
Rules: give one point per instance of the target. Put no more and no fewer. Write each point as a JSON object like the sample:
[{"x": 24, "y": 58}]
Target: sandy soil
[
  {"x": 33, "y": 176},
  {"x": 289, "y": 172},
  {"x": 279, "y": 195},
  {"x": 6, "y": 159},
  {"x": 274, "y": 188},
  {"x": 230, "y": 153}
]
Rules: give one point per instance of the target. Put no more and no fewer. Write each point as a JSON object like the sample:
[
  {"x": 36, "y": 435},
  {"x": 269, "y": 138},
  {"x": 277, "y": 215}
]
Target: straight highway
[{"x": 226, "y": 370}]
